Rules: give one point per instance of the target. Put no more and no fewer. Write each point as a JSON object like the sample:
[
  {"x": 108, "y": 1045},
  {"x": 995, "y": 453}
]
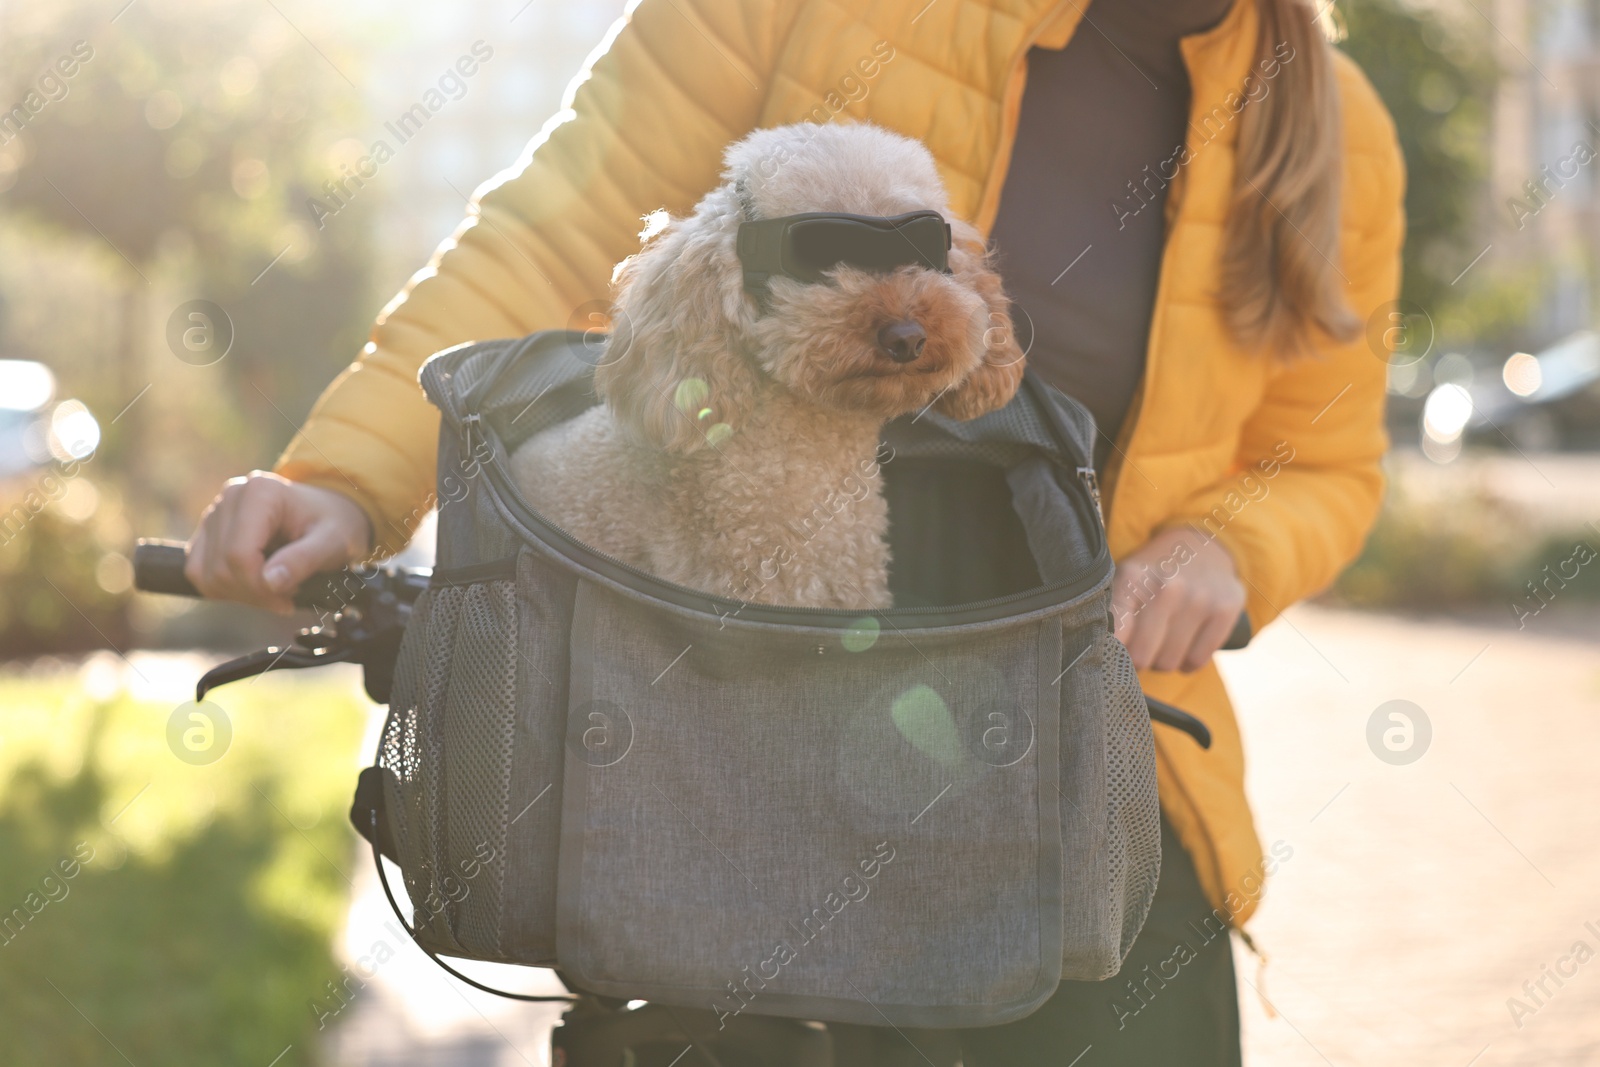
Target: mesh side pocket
[
  {"x": 1133, "y": 815},
  {"x": 448, "y": 742}
]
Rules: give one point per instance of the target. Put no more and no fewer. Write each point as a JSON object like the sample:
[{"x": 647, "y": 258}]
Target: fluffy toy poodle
[{"x": 736, "y": 450}]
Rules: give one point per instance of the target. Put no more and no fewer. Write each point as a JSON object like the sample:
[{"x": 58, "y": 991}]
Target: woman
[{"x": 1197, "y": 206}]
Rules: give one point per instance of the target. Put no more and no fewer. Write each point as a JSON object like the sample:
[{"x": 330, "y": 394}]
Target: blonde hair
[{"x": 1280, "y": 278}]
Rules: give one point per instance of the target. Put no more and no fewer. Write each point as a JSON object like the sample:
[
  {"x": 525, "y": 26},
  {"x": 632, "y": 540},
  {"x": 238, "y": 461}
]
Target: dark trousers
[{"x": 1174, "y": 1004}]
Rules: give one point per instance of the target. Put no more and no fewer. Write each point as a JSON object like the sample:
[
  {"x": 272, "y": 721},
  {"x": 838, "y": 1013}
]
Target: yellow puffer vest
[{"x": 1281, "y": 460}]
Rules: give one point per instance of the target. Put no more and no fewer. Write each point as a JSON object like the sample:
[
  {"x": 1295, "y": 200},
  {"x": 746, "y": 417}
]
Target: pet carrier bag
[{"x": 923, "y": 816}]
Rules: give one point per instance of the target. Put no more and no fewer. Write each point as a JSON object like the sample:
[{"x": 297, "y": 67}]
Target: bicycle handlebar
[
  {"x": 158, "y": 568},
  {"x": 1240, "y": 635},
  {"x": 367, "y": 617}
]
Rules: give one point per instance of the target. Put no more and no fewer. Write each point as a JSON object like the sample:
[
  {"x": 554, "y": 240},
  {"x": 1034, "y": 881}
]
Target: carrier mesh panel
[
  {"x": 411, "y": 750},
  {"x": 478, "y": 715},
  {"x": 448, "y": 742},
  {"x": 1133, "y": 823}
]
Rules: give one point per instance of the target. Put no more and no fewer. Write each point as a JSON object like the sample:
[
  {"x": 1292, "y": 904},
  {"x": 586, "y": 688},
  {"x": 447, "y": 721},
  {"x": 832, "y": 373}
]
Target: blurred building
[
  {"x": 410, "y": 50},
  {"x": 1545, "y": 152}
]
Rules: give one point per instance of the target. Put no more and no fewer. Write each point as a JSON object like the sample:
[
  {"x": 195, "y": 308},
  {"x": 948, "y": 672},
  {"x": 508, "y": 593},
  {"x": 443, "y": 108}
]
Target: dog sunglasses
[{"x": 804, "y": 247}]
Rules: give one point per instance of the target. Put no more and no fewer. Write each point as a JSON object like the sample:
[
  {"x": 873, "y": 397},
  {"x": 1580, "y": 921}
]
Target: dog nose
[{"x": 902, "y": 341}]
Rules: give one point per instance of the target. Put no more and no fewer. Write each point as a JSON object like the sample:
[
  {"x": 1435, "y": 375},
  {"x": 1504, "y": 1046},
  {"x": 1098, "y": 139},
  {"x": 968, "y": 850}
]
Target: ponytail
[{"x": 1280, "y": 279}]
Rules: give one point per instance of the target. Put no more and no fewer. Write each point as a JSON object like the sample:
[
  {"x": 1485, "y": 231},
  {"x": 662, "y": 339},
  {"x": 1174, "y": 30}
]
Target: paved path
[
  {"x": 1418, "y": 899},
  {"x": 1421, "y": 897}
]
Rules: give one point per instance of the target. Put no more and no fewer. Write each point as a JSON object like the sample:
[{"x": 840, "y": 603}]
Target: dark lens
[
  {"x": 818, "y": 245},
  {"x": 930, "y": 237}
]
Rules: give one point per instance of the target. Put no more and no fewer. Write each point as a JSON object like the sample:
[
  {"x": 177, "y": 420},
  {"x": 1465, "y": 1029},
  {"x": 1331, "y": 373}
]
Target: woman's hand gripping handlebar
[
  {"x": 265, "y": 535},
  {"x": 363, "y": 614}
]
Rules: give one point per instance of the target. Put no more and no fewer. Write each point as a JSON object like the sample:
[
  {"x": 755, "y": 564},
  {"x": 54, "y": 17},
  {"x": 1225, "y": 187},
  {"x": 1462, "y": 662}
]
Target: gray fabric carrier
[{"x": 916, "y": 817}]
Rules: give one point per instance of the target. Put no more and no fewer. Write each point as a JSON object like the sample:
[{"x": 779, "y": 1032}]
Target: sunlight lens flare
[
  {"x": 1522, "y": 374},
  {"x": 25, "y": 385},
  {"x": 74, "y": 433},
  {"x": 1445, "y": 414}
]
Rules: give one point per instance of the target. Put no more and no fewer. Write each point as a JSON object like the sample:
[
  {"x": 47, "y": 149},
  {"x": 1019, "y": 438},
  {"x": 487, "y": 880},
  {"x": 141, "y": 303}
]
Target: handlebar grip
[
  {"x": 1240, "y": 635},
  {"x": 158, "y": 568}
]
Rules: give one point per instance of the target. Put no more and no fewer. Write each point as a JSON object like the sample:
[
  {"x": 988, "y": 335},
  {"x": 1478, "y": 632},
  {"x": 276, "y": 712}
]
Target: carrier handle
[
  {"x": 1039, "y": 393},
  {"x": 510, "y": 355}
]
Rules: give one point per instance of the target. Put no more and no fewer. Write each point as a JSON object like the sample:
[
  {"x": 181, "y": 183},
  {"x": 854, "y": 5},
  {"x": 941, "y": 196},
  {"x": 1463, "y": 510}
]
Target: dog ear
[
  {"x": 676, "y": 372},
  {"x": 992, "y": 384}
]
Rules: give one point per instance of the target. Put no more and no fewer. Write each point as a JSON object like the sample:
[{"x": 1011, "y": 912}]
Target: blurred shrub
[
  {"x": 64, "y": 571},
  {"x": 193, "y": 920},
  {"x": 1467, "y": 550},
  {"x": 216, "y": 121},
  {"x": 173, "y": 165}
]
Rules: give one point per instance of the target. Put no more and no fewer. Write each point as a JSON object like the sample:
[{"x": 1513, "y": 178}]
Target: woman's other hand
[
  {"x": 263, "y": 535},
  {"x": 1175, "y": 600}
]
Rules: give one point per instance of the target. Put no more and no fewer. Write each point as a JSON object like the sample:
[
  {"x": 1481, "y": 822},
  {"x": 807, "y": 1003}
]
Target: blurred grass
[{"x": 202, "y": 924}]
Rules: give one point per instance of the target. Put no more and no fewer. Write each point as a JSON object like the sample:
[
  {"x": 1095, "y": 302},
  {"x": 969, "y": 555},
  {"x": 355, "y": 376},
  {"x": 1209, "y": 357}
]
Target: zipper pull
[
  {"x": 1261, "y": 972},
  {"x": 1091, "y": 481}
]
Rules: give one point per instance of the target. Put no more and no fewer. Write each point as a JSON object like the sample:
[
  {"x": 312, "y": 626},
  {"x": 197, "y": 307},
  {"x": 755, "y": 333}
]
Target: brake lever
[
  {"x": 289, "y": 658},
  {"x": 1167, "y": 715}
]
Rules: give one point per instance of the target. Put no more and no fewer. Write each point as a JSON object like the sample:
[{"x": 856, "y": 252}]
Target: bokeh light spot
[
  {"x": 74, "y": 433},
  {"x": 163, "y": 110},
  {"x": 862, "y": 634},
  {"x": 921, "y": 716},
  {"x": 25, "y": 385},
  {"x": 114, "y": 573},
  {"x": 1522, "y": 374},
  {"x": 691, "y": 395},
  {"x": 1446, "y": 412}
]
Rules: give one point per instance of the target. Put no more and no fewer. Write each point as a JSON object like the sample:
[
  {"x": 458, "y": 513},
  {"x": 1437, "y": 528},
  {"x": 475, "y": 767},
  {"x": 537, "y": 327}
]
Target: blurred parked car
[{"x": 1545, "y": 401}]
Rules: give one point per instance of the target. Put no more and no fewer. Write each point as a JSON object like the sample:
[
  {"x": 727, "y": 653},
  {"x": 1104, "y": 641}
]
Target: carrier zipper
[
  {"x": 468, "y": 423},
  {"x": 1091, "y": 482},
  {"x": 510, "y": 501}
]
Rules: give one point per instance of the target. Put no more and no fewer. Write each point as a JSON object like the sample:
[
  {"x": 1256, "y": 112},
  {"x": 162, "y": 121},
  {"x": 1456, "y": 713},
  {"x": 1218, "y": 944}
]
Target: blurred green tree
[
  {"x": 1437, "y": 77},
  {"x": 180, "y": 151},
  {"x": 193, "y": 132}
]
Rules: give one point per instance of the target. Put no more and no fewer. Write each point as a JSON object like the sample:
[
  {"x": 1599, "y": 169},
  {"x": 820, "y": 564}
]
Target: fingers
[
  {"x": 228, "y": 549},
  {"x": 202, "y": 563},
  {"x": 1175, "y": 601},
  {"x": 1147, "y": 615},
  {"x": 1182, "y": 616},
  {"x": 253, "y": 524},
  {"x": 323, "y": 547},
  {"x": 1209, "y": 638},
  {"x": 1180, "y": 628},
  {"x": 302, "y": 528}
]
